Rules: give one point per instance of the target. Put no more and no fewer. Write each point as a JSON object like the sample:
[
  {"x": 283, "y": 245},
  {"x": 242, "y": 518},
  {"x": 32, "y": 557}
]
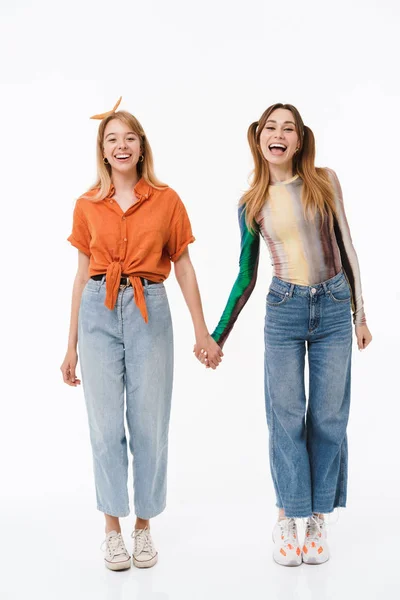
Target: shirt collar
[{"x": 142, "y": 190}]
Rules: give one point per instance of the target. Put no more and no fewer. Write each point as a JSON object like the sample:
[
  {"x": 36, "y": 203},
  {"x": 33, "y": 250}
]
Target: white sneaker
[
  {"x": 315, "y": 549},
  {"x": 144, "y": 553},
  {"x": 287, "y": 551},
  {"x": 116, "y": 556}
]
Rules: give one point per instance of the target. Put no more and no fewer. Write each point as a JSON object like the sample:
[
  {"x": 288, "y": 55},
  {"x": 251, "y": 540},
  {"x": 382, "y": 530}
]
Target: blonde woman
[
  {"x": 298, "y": 210},
  {"x": 128, "y": 228}
]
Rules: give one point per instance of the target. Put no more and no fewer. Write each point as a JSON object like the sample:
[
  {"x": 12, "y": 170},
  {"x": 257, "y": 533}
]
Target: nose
[{"x": 122, "y": 144}]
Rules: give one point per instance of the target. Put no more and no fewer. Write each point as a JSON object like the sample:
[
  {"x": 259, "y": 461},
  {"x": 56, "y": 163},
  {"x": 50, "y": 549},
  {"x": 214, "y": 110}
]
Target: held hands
[
  {"x": 208, "y": 352},
  {"x": 68, "y": 368},
  {"x": 363, "y": 336}
]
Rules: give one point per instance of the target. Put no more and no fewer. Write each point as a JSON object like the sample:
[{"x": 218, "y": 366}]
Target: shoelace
[
  {"x": 314, "y": 528},
  {"x": 116, "y": 545},
  {"x": 143, "y": 541},
  {"x": 288, "y": 531}
]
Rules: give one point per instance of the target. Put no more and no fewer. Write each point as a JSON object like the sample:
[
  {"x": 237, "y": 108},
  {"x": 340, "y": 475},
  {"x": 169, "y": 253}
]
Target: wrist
[{"x": 201, "y": 332}]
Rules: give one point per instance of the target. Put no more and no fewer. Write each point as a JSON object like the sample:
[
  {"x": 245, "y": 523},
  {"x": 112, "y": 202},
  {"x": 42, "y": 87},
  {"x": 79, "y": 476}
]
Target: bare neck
[
  {"x": 124, "y": 183},
  {"x": 278, "y": 173}
]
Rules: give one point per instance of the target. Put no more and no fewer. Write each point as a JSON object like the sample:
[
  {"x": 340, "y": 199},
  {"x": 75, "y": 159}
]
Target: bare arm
[
  {"x": 186, "y": 278},
  {"x": 68, "y": 367}
]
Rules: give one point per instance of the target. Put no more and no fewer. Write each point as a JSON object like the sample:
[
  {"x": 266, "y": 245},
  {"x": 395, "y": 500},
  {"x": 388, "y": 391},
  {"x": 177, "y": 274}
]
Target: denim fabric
[
  {"x": 307, "y": 441},
  {"x": 122, "y": 355}
]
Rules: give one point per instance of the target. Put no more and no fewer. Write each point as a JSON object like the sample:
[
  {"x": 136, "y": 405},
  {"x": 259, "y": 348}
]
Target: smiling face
[
  {"x": 278, "y": 139},
  {"x": 121, "y": 146}
]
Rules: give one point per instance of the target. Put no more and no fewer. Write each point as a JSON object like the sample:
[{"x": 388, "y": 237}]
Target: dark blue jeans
[{"x": 308, "y": 443}]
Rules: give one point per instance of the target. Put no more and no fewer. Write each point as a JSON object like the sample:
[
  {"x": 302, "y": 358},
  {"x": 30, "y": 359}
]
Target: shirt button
[
  {"x": 125, "y": 239},
  {"x": 123, "y": 218},
  {"x": 111, "y": 201},
  {"x": 313, "y": 290}
]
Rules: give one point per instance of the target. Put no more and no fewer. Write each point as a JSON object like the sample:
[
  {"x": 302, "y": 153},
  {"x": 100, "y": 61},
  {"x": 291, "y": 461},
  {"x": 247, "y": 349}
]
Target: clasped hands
[{"x": 208, "y": 352}]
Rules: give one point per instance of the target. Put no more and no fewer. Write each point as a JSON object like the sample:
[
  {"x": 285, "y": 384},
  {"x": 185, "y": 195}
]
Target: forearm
[
  {"x": 348, "y": 254},
  {"x": 238, "y": 297},
  {"x": 244, "y": 284},
  {"x": 188, "y": 283},
  {"x": 77, "y": 290}
]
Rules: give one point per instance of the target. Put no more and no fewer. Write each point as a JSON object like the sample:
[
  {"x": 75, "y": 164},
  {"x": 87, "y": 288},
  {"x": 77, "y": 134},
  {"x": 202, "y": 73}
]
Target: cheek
[{"x": 263, "y": 143}]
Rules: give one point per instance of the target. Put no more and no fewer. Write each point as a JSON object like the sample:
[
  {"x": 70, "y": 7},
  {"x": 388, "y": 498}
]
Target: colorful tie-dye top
[{"x": 301, "y": 251}]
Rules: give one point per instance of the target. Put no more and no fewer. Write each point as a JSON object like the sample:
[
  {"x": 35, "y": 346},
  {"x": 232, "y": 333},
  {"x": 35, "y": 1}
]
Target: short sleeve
[
  {"x": 180, "y": 235},
  {"x": 80, "y": 236}
]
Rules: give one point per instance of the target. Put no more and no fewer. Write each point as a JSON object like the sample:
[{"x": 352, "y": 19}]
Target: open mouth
[
  {"x": 122, "y": 157},
  {"x": 277, "y": 149}
]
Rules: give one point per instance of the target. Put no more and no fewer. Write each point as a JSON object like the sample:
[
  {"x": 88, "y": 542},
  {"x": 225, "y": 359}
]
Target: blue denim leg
[
  {"x": 329, "y": 356},
  {"x": 308, "y": 456},
  {"x": 118, "y": 351},
  {"x": 149, "y": 372},
  {"x": 101, "y": 356},
  {"x": 285, "y": 332}
]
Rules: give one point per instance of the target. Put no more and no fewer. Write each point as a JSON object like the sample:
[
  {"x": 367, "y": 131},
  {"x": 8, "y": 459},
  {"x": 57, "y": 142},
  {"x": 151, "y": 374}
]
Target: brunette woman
[{"x": 298, "y": 210}]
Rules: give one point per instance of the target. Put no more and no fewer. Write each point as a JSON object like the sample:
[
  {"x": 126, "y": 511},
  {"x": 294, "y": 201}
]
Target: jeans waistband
[
  {"x": 316, "y": 289},
  {"x": 124, "y": 280}
]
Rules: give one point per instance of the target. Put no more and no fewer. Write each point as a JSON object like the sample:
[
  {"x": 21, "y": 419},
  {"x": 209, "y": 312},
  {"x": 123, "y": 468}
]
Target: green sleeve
[{"x": 245, "y": 282}]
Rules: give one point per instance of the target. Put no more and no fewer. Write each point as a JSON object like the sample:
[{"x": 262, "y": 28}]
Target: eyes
[
  {"x": 130, "y": 138},
  {"x": 270, "y": 128}
]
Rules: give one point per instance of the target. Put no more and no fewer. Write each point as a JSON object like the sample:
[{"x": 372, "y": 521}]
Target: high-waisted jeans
[
  {"x": 122, "y": 355},
  {"x": 307, "y": 442}
]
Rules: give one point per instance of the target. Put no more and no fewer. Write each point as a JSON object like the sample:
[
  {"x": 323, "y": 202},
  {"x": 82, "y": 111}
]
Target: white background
[{"x": 196, "y": 74}]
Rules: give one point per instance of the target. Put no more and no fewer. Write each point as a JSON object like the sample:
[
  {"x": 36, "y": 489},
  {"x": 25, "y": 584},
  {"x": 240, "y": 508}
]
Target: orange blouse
[{"x": 140, "y": 242}]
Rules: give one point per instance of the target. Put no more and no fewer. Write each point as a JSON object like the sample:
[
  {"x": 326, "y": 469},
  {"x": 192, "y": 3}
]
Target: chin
[
  {"x": 279, "y": 160},
  {"x": 124, "y": 168}
]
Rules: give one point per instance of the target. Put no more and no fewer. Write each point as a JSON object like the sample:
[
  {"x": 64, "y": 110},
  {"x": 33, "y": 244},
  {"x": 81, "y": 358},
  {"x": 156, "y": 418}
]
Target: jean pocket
[
  {"x": 92, "y": 286},
  {"x": 156, "y": 289},
  {"x": 340, "y": 291},
  {"x": 276, "y": 298}
]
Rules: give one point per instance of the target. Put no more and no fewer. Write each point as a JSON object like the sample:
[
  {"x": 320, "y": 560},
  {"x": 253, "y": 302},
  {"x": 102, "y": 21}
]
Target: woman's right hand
[
  {"x": 208, "y": 352},
  {"x": 68, "y": 368}
]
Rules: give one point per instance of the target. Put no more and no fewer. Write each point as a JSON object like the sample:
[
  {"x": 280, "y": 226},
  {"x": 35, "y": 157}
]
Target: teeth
[
  {"x": 122, "y": 156},
  {"x": 278, "y": 146}
]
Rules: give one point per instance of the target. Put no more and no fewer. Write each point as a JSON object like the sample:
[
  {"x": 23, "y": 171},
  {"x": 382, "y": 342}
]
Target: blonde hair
[
  {"x": 145, "y": 169},
  {"x": 317, "y": 194}
]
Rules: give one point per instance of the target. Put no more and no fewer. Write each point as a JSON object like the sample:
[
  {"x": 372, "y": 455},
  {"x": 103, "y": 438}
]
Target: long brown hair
[
  {"x": 145, "y": 168},
  {"x": 317, "y": 194}
]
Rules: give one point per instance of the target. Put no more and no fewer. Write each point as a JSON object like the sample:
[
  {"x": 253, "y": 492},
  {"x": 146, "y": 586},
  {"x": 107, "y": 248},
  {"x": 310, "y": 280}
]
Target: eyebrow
[
  {"x": 285, "y": 122},
  {"x": 128, "y": 133}
]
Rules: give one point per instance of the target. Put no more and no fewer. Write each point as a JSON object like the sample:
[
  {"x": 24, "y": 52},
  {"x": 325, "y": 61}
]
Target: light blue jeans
[
  {"x": 308, "y": 443},
  {"x": 120, "y": 354}
]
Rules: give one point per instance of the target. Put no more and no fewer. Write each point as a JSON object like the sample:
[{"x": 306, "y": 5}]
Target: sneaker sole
[
  {"x": 315, "y": 561},
  {"x": 145, "y": 564},
  {"x": 120, "y": 566},
  {"x": 287, "y": 564}
]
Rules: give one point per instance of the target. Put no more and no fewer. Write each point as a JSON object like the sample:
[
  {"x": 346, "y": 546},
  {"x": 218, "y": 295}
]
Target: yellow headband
[{"x": 107, "y": 114}]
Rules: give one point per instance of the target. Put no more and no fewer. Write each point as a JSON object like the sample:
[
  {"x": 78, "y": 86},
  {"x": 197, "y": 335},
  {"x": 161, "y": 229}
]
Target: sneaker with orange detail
[
  {"x": 286, "y": 551},
  {"x": 315, "y": 549}
]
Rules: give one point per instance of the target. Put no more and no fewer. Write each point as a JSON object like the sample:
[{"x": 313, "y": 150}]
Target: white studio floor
[
  {"x": 214, "y": 539},
  {"x": 205, "y": 552}
]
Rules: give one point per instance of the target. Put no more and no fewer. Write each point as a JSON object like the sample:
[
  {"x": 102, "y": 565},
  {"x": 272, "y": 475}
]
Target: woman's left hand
[
  {"x": 363, "y": 336},
  {"x": 208, "y": 352}
]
